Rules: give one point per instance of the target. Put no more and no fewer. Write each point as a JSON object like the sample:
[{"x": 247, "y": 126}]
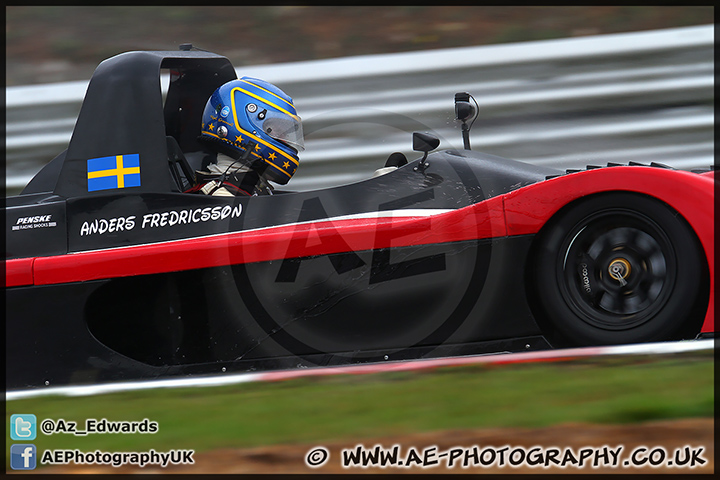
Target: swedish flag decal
[{"x": 118, "y": 171}]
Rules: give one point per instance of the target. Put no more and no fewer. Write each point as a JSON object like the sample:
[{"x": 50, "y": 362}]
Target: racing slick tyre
[{"x": 618, "y": 268}]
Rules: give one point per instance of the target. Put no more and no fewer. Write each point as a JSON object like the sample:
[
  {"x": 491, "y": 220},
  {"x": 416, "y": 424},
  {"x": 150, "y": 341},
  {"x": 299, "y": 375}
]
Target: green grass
[{"x": 324, "y": 409}]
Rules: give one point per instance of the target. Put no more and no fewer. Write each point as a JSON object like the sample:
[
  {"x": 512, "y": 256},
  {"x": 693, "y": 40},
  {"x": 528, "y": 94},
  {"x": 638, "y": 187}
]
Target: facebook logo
[
  {"x": 22, "y": 457},
  {"x": 23, "y": 427}
]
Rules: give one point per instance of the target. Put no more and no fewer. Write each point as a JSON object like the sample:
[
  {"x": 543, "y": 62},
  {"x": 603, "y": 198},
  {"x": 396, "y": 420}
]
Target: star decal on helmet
[{"x": 230, "y": 125}]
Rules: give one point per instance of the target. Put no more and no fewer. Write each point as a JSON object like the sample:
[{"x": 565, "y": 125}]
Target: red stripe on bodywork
[
  {"x": 483, "y": 220},
  {"x": 19, "y": 272}
]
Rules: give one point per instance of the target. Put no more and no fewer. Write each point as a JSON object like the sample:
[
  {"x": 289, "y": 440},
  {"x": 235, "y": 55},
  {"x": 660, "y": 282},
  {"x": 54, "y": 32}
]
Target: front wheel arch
[{"x": 675, "y": 309}]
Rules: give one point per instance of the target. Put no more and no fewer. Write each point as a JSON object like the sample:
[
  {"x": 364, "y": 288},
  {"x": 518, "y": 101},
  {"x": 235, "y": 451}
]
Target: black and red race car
[{"x": 453, "y": 253}]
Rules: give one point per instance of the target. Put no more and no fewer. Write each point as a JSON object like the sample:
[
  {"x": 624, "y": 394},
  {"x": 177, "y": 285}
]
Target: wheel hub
[{"x": 619, "y": 269}]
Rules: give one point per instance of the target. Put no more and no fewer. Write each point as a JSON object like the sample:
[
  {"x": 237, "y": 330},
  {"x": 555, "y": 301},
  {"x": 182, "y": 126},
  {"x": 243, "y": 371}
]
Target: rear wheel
[{"x": 618, "y": 268}]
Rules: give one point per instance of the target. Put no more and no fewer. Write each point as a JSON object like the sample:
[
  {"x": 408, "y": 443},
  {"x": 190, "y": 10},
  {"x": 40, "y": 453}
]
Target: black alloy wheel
[{"x": 618, "y": 268}]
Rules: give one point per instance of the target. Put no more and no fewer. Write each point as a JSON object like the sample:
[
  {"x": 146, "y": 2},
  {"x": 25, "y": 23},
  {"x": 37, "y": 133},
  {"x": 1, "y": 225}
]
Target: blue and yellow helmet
[{"x": 250, "y": 112}]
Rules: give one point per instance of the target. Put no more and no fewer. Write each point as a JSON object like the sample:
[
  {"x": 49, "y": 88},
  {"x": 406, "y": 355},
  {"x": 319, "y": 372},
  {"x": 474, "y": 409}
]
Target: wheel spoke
[
  {"x": 652, "y": 287},
  {"x": 600, "y": 245},
  {"x": 612, "y": 302},
  {"x": 657, "y": 265},
  {"x": 645, "y": 245},
  {"x": 635, "y": 303},
  {"x": 619, "y": 237},
  {"x": 633, "y": 235}
]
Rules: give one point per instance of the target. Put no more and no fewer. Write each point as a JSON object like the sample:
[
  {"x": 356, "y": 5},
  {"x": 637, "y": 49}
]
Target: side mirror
[
  {"x": 424, "y": 142},
  {"x": 463, "y": 112},
  {"x": 463, "y": 109}
]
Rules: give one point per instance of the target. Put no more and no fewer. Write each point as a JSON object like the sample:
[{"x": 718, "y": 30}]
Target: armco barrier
[{"x": 643, "y": 97}]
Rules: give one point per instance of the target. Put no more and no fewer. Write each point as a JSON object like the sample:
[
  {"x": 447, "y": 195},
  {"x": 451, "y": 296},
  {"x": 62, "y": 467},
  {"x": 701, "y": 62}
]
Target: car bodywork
[{"x": 140, "y": 281}]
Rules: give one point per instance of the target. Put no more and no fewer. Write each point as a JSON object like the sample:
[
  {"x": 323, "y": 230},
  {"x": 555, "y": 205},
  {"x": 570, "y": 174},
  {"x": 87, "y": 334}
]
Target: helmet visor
[{"x": 285, "y": 128}]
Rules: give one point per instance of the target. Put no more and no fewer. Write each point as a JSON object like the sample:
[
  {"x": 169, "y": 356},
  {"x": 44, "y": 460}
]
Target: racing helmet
[{"x": 252, "y": 120}]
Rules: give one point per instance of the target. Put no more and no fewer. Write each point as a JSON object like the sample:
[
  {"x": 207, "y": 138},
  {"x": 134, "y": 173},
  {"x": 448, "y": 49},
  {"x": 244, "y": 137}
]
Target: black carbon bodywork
[
  {"x": 241, "y": 318},
  {"x": 407, "y": 302}
]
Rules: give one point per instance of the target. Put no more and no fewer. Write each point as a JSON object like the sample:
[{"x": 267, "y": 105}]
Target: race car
[{"x": 455, "y": 252}]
